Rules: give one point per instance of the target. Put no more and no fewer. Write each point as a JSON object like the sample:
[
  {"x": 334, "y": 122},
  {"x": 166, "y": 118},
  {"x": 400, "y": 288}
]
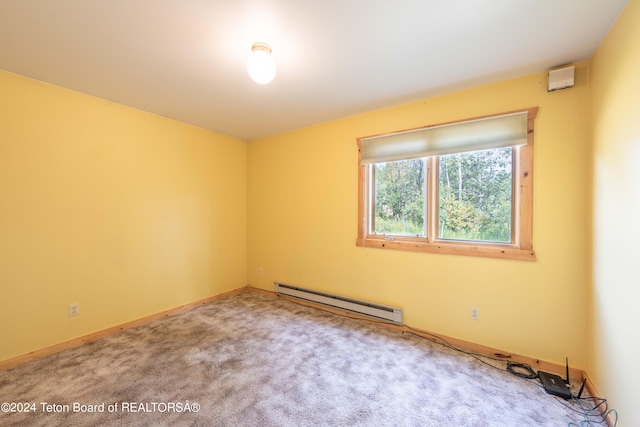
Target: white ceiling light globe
[{"x": 260, "y": 65}]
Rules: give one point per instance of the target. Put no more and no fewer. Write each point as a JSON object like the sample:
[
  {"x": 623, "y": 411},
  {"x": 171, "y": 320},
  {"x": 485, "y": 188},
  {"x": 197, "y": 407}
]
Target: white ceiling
[{"x": 186, "y": 59}]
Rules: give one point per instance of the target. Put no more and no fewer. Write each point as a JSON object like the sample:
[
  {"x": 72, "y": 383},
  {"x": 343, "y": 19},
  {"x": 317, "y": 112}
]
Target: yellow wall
[
  {"x": 122, "y": 211},
  {"x": 614, "y": 295},
  {"x": 302, "y": 219}
]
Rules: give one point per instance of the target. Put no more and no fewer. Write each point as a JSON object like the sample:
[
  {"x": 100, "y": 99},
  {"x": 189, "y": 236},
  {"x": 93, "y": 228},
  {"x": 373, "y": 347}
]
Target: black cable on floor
[{"x": 521, "y": 370}]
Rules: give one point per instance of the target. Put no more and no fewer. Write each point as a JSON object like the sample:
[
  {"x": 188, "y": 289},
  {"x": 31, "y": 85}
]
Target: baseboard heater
[{"x": 363, "y": 308}]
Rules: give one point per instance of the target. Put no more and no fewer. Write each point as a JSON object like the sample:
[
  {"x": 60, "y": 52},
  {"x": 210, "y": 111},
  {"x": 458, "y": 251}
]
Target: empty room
[{"x": 342, "y": 213}]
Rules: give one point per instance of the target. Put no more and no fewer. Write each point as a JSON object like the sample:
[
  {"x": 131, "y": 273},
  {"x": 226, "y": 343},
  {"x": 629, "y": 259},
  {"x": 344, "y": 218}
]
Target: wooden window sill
[{"x": 487, "y": 250}]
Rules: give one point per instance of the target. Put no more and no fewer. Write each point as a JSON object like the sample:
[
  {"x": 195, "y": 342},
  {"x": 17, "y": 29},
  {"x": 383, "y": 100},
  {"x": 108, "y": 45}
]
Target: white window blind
[{"x": 472, "y": 135}]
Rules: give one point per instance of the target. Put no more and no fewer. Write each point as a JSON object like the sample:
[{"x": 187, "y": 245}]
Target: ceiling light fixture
[{"x": 260, "y": 65}]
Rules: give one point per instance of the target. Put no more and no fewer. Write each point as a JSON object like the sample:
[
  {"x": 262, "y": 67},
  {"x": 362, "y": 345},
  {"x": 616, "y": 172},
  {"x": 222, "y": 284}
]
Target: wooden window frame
[{"x": 521, "y": 246}]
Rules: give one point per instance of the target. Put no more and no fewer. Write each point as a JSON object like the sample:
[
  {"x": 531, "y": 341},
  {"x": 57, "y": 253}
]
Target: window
[
  {"x": 475, "y": 195},
  {"x": 458, "y": 188},
  {"x": 398, "y": 202}
]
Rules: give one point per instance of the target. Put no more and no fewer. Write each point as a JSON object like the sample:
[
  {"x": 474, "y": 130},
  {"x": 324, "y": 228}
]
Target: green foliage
[
  {"x": 475, "y": 195},
  {"x": 399, "y": 197},
  {"x": 398, "y": 227}
]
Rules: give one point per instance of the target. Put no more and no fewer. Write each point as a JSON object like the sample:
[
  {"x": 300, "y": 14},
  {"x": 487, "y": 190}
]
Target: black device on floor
[{"x": 555, "y": 384}]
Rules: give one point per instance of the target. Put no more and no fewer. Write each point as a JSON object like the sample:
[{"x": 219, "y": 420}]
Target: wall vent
[
  {"x": 562, "y": 78},
  {"x": 363, "y": 308}
]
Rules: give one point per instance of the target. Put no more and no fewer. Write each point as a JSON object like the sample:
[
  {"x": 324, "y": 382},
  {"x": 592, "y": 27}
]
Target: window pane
[
  {"x": 398, "y": 198},
  {"x": 474, "y": 195}
]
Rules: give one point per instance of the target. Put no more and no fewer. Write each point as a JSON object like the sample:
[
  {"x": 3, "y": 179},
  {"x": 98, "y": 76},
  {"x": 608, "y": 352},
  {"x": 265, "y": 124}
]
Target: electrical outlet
[
  {"x": 74, "y": 309},
  {"x": 475, "y": 314},
  {"x": 260, "y": 271}
]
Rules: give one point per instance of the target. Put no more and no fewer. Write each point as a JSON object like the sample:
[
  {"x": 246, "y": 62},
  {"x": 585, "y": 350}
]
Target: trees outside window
[
  {"x": 399, "y": 192},
  {"x": 475, "y": 196},
  {"x": 467, "y": 202}
]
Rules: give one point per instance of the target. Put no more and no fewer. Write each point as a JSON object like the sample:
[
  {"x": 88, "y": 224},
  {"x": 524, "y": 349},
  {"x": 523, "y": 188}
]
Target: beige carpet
[{"x": 251, "y": 360}]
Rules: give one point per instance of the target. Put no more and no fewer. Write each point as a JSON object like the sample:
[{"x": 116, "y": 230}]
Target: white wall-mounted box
[{"x": 562, "y": 78}]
